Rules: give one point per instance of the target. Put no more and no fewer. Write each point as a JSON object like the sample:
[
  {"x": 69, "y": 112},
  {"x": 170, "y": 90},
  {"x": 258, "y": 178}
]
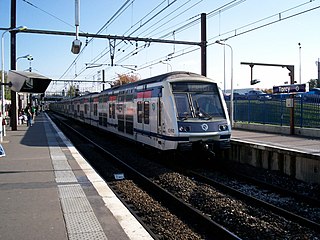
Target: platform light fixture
[
  {"x": 76, "y": 44},
  {"x": 28, "y": 57}
]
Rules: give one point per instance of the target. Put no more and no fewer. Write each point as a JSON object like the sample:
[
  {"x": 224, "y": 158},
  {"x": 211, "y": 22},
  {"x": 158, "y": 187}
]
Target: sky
[{"x": 254, "y": 31}]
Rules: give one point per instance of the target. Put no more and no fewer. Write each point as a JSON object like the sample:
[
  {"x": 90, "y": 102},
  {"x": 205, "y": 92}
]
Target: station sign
[{"x": 293, "y": 88}]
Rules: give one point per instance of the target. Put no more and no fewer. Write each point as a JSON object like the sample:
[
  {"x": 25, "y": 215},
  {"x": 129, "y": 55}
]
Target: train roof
[{"x": 158, "y": 78}]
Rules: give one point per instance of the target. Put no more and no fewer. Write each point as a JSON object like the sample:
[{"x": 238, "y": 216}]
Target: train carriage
[{"x": 178, "y": 110}]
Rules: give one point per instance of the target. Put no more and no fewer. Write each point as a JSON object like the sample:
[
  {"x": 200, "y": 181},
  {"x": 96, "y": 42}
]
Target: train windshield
[{"x": 197, "y": 100}]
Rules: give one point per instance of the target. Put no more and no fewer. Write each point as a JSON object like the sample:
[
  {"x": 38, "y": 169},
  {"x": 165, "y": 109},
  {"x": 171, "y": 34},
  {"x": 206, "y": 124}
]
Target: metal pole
[
  {"x": 203, "y": 45},
  {"x": 14, "y": 110},
  {"x": 2, "y": 86},
  {"x": 299, "y": 44},
  {"x": 77, "y": 17},
  {"x": 224, "y": 67},
  {"x": 318, "y": 82},
  {"x": 103, "y": 79},
  {"x": 231, "y": 96},
  {"x": 291, "y": 69},
  {"x": 231, "y": 79}
]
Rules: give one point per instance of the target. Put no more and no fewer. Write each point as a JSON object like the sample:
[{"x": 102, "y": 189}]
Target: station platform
[
  {"x": 48, "y": 191},
  {"x": 307, "y": 145}
]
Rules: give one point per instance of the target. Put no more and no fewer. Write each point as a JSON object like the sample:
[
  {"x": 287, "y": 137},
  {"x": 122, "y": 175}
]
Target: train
[{"x": 180, "y": 111}]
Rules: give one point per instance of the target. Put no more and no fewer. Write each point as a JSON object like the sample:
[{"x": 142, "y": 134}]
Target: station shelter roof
[{"x": 29, "y": 82}]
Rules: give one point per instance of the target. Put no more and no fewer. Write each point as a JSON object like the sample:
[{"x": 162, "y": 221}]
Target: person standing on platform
[
  {"x": 33, "y": 113},
  {"x": 28, "y": 113}
]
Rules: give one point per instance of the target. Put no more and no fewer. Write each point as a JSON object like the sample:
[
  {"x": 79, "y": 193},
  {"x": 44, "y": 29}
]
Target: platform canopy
[{"x": 29, "y": 82}]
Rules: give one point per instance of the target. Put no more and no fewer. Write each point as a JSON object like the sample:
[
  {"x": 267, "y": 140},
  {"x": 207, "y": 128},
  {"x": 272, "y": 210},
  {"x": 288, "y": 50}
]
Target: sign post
[{"x": 290, "y": 89}]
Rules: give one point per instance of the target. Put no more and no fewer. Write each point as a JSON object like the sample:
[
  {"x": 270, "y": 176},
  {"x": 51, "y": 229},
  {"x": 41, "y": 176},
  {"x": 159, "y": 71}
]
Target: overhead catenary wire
[
  {"x": 185, "y": 26},
  {"x": 46, "y": 12},
  {"x": 229, "y": 34},
  {"x": 102, "y": 54},
  {"x": 236, "y": 32},
  {"x": 191, "y": 49}
]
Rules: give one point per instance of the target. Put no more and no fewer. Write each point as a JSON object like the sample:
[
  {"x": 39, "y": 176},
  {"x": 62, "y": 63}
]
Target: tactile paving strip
[
  {"x": 71, "y": 191},
  {"x": 88, "y": 236},
  {"x": 81, "y": 222},
  {"x": 57, "y": 154},
  {"x": 80, "y": 219},
  {"x": 76, "y": 205},
  {"x": 61, "y": 165},
  {"x": 65, "y": 176}
]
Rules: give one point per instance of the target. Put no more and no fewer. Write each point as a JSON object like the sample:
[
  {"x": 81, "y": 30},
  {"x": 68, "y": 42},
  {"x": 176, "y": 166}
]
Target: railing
[{"x": 272, "y": 110}]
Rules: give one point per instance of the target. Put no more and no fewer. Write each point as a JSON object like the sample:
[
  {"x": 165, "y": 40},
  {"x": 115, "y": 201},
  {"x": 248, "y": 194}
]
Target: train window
[
  {"x": 139, "y": 112},
  {"x": 120, "y": 98},
  {"x": 86, "y": 108},
  {"x": 146, "y": 108},
  {"x": 129, "y": 98},
  {"x": 78, "y": 108},
  {"x": 207, "y": 105},
  {"x": 197, "y": 100},
  {"x": 112, "y": 110},
  {"x": 143, "y": 112},
  {"x": 95, "y": 109},
  {"x": 183, "y": 106}
]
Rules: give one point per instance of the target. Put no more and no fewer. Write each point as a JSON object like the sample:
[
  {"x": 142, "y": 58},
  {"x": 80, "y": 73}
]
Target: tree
[
  {"x": 124, "y": 79},
  {"x": 313, "y": 83},
  {"x": 72, "y": 91},
  {"x": 267, "y": 91}
]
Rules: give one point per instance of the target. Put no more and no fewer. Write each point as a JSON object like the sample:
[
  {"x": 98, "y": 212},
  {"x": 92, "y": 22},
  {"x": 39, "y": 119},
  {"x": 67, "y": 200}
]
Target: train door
[
  {"x": 143, "y": 113},
  {"x": 129, "y": 112},
  {"x": 146, "y": 116},
  {"x": 120, "y": 108},
  {"x": 160, "y": 123},
  {"x": 112, "y": 124},
  {"x": 102, "y": 110}
]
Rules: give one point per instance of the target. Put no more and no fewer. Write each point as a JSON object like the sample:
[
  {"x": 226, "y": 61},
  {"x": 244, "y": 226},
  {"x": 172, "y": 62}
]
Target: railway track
[
  {"x": 203, "y": 224},
  {"x": 257, "y": 195},
  {"x": 174, "y": 189}
]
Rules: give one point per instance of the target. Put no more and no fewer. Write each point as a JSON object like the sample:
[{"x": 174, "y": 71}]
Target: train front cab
[{"x": 201, "y": 115}]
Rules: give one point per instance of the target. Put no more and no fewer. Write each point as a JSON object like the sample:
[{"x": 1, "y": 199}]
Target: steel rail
[
  {"x": 178, "y": 206},
  {"x": 280, "y": 211}
]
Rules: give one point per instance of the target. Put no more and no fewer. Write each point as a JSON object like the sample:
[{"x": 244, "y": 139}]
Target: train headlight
[
  {"x": 184, "y": 129},
  {"x": 223, "y": 127}
]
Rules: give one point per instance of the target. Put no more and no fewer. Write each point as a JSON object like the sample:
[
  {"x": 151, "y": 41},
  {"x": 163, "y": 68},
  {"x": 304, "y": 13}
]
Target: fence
[{"x": 273, "y": 110}]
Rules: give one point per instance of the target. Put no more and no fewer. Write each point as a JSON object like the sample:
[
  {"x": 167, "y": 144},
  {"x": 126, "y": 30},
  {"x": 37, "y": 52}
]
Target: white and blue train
[{"x": 172, "y": 111}]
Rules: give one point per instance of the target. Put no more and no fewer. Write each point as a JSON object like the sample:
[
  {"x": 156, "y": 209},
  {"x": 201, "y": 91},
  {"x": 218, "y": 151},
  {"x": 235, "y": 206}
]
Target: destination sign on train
[{"x": 294, "y": 88}]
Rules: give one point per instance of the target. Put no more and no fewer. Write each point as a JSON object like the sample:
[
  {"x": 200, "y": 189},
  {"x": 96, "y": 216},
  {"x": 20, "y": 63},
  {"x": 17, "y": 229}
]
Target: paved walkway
[
  {"x": 48, "y": 191},
  {"x": 290, "y": 142}
]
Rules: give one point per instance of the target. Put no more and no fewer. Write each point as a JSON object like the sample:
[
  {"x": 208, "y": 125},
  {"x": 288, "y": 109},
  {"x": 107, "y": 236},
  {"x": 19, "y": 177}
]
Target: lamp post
[
  {"x": 299, "y": 44},
  {"x": 21, "y": 28},
  {"x": 29, "y": 57},
  {"x": 231, "y": 95}
]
